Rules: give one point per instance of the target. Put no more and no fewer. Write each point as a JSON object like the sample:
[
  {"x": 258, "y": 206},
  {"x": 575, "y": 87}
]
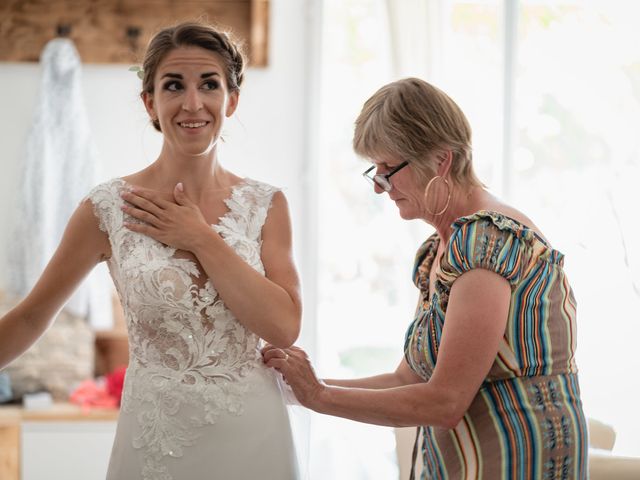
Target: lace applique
[{"x": 186, "y": 349}]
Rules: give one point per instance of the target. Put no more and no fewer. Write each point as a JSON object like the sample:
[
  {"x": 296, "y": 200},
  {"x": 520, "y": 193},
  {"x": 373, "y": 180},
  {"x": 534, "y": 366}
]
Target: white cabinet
[
  {"x": 65, "y": 450},
  {"x": 63, "y": 442}
]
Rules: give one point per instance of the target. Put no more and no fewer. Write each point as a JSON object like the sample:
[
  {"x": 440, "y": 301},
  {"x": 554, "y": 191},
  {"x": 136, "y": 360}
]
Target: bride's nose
[{"x": 192, "y": 101}]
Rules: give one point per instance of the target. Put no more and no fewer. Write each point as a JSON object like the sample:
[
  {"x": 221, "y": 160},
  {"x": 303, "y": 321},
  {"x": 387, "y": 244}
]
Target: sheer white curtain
[{"x": 415, "y": 34}]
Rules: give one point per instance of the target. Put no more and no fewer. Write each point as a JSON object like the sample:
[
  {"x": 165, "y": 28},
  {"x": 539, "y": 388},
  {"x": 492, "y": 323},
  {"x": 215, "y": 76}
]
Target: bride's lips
[{"x": 193, "y": 125}]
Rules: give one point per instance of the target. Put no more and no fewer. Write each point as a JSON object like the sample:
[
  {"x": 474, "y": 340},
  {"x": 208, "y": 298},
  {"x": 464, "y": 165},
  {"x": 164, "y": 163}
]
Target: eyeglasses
[{"x": 382, "y": 180}]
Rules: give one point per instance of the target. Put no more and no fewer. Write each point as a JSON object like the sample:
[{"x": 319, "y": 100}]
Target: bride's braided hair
[{"x": 196, "y": 35}]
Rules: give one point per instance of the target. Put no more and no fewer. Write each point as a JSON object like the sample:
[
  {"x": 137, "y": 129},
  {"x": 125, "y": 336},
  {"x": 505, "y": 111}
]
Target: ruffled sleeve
[{"x": 491, "y": 241}]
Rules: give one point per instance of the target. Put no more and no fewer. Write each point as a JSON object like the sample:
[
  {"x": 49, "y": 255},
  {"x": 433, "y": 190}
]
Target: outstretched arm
[
  {"x": 83, "y": 245},
  {"x": 269, "y": 305},
  {"x": 475, "y": 322}
]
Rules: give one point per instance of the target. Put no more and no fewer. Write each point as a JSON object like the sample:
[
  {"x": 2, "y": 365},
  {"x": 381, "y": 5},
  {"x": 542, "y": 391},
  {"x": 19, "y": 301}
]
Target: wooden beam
[{"x": 117, "y": 31}]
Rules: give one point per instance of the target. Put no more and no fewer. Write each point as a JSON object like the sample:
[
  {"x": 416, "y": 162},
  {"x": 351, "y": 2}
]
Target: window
[{"x": 567, "y": 155}]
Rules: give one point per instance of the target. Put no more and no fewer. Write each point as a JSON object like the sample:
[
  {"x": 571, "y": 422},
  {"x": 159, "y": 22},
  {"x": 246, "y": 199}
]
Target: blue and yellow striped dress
[{"x": 526, "y": 422}]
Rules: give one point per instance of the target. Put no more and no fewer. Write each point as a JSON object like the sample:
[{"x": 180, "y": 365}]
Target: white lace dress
[{"x": 198, "y": 402}]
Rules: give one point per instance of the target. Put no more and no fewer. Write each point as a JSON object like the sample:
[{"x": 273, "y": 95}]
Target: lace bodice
[{"x": 186, "y": 348}]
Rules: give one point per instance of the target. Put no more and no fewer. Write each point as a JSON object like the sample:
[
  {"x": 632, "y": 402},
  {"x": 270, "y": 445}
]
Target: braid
[{"x": 234, "y": 58}]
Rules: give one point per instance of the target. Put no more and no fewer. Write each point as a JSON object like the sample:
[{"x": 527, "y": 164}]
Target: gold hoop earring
[{"x": 426, "y": 195}]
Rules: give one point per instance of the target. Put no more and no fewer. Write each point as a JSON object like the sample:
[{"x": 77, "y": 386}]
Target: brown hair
[
  {"x": 196, "y": 35},
  {"x": 411, "y": 119}
]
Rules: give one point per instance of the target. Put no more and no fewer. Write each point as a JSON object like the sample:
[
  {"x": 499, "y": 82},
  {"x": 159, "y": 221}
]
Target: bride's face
[{"x": 191, "y": 100}]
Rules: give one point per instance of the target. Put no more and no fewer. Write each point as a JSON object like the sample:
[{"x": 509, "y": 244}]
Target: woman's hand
[
  {"x": 294, "y": 365},
  {"x": 177, "y": 223}
]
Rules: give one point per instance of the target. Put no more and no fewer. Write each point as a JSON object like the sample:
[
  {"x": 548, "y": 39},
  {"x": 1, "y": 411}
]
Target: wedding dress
[{"x": 198, "y": 402}]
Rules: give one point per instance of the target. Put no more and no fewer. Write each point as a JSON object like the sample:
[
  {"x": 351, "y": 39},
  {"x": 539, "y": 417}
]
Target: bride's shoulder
[{"x": 109, "y": 187}]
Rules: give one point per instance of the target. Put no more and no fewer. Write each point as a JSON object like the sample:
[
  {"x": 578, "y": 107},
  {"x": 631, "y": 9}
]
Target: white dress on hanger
[
  {"x": 60, "y": 164},
  {"x": 198, "y": 402}
]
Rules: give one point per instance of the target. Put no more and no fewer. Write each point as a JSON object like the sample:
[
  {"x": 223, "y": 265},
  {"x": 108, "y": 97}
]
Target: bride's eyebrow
[{"x": 180, "y": 77}]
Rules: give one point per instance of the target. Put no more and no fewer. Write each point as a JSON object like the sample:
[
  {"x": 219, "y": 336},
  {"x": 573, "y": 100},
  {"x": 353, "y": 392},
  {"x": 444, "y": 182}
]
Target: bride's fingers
[
  {"x": 161, "y": 200},
  {"x": 142, "y": 203},
  {"x": 143, "y": 215}
]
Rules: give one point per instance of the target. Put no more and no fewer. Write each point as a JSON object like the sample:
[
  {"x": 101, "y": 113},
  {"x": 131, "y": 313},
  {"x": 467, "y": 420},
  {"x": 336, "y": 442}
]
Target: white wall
[{"x": 266, "y": 139}]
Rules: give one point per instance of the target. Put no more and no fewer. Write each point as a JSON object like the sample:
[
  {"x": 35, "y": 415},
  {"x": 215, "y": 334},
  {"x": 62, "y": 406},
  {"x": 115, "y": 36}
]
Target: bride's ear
[
  {"x": 147, "y": 99},
  {"x": 232, "y": 103}
]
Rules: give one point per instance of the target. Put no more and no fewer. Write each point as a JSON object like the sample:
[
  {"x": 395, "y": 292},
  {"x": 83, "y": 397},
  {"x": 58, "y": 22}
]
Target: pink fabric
[{"x": 106, "y": 394}]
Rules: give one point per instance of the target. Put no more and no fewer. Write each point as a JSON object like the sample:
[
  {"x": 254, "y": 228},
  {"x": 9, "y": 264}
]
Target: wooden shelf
[
  {"x": 117, "y": 31},
  {"x": 59, "y": 412}
]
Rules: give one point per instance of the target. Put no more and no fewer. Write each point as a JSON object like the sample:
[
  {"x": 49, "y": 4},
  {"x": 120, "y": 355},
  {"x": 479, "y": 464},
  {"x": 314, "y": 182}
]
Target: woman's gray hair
[{"x": 411, "y": 120}]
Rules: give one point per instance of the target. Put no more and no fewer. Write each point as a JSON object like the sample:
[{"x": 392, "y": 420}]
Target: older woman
[{"x": 488, "y": 372}]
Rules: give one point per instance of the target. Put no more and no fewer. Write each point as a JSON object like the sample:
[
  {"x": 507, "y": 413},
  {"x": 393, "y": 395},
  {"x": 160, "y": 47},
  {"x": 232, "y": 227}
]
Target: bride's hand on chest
[{"x": 177, "y": 222}]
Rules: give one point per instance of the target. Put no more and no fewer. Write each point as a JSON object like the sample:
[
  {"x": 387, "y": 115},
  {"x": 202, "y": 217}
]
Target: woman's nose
[
  {"x": 192, "y": 101},
  {"x": 377, "y": 188}
]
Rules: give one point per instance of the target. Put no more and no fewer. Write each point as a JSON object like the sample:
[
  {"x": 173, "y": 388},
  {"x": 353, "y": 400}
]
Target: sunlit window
[
  {"x": 576, "y": 169},
  {"x": 573, "y": 168},
  {"x": 365, "y": 249}
]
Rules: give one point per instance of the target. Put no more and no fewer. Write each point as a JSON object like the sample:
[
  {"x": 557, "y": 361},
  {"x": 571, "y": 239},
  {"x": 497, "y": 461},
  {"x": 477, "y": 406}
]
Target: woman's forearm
[
  {"x": 386, "y": 380},
  {"x": 403, "y": 375},
  {"x": 260, "y": 304},
  {"x": 404, "y": 406}
]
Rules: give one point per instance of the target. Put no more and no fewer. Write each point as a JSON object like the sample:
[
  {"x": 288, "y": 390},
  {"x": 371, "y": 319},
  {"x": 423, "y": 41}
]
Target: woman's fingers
[
  {"x": 266, "y": 348},
  {"x": 273, "y": 352},
  {"x": 276, "y": 362}
]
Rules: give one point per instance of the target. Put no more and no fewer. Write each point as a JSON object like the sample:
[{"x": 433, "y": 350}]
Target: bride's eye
[
  {"x": 210, "y": 85},
  {"x": 173, "y": 86}
]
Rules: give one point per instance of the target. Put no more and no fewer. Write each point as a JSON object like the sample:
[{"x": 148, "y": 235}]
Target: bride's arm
[
  {"x": 269, "y": 305},
  {"x": 83, "y": 245}
]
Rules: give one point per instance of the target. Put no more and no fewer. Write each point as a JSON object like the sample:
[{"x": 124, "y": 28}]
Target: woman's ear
[
  {"x": 445, "y": 158},
  {"x": 232, "y": 103}
]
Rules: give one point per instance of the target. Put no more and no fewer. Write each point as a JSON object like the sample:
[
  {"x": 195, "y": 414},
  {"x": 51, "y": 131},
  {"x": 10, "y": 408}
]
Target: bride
[{"x": 202, "y": 262}]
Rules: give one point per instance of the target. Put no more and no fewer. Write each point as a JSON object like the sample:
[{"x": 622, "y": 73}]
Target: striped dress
[{"x": 526, "y": 422}]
